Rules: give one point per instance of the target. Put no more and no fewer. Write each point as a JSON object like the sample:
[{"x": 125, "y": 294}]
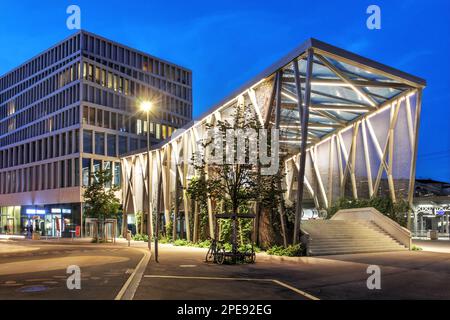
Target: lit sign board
[
  {"x": 34, "y": 211},
  {"x": 440, "y": 212}
]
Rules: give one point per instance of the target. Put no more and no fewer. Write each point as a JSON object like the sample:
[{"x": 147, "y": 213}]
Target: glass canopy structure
[{"x": 348, "y": 127}]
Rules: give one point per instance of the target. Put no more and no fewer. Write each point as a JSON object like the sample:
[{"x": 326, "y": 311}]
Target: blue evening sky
[{"x": 227, "y": 42}]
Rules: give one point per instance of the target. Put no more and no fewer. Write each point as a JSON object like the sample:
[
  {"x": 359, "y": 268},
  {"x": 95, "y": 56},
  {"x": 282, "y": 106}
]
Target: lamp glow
[{"x": 146, "y": 106}]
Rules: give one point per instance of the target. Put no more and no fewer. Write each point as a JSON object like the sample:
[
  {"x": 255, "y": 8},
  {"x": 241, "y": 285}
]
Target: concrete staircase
[{"x": 328, "y": 237}]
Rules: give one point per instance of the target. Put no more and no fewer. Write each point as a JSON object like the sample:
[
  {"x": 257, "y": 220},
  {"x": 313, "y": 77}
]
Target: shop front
[
  {"x": 432, "y": 216},
  {"x": 10, "y": 220},
  {"x": 50, "y": 220}
]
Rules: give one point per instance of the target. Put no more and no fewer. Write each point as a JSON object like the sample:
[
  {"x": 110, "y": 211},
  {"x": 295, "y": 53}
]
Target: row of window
[
  {"x": 91, "y": 165},
  {"x": 41, "y": 109},
  {"x": 113, "y": 51},
  {"x": 41, "y": 62},
  {"x": 134, "y": 124},
  {"x": 95, "y": 72},
  {"x": 46, "y": 148},
  {"x": 58, "y": 174},
  {"x": 127, "y": 87},
  {"x": 10, "y": 92},
  {"x": 39, "y": 91},
  {"x": 95, "y": 142},
  {"x": 177, "y": 112},
  {"x": 56, "y": 122}
]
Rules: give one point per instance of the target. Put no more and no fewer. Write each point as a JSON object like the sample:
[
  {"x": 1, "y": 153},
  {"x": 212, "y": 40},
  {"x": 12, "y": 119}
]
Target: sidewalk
[
  {"x": 26, "y": 243},
  {"x": 433, "y": 245}
]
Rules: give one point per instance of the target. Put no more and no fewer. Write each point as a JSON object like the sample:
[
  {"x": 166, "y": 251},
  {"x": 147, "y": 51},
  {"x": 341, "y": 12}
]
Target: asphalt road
[
  {"x": 39, "y": 270},
  {"x": 182, "y": 274}
]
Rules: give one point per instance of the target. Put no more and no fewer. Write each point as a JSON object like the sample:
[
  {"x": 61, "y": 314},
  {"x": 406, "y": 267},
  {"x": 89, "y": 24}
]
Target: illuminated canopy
[{"x": 360, "y": 117}]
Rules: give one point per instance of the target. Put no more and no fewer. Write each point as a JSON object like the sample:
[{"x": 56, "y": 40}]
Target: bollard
[{"x": 129, "y": 236}]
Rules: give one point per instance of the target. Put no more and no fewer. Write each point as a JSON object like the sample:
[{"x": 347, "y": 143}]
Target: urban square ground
[{"x": 37, "y": 270}]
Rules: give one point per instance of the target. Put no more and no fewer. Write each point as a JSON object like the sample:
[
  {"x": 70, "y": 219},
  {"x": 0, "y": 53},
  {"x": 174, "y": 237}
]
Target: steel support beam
[{"x": 304, "y": 116}]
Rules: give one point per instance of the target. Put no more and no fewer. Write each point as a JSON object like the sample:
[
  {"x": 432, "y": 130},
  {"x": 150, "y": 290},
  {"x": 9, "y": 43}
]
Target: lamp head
[{"x": 146, "y": 106}]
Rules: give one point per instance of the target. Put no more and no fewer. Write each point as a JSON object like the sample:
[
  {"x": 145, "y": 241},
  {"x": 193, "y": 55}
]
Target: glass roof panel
[
  {"x": 388, "y": 93},
  {"x": 357, "y": 73}
]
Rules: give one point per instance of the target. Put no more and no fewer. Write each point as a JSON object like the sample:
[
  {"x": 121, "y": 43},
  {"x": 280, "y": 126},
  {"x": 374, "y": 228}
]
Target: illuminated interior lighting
[{"x": 289, "y": 96}]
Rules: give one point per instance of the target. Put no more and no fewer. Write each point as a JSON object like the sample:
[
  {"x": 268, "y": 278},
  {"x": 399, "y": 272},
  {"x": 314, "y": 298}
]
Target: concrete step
[
  {"x": 343, "y": 236},
  {"x": 351, "y": 241},
  {"x": 351, "y": 251},
  {"x": 360, "y": 245}
]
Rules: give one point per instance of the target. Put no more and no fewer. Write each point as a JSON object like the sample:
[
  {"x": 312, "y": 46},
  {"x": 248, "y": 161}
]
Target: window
[
  {"x": 158, "y": 131},
  {"x": 133, "y": 144},
  {"x": 106, "y": 120},
  {"x": 86, "y": 171},
  {"x": 87, "y": 141},
  {"x": 100, "y": 143},
  {"x": 77, "y": 172},
  {"x": 117, "y": 173},
  {"x": 123, "y": 145},
  {"x": 113, "y": 121},
  {"x": 91, "y": 116},
  {"x": 85, "y": 114},
  {"x": 97, "y": 166},
  {"x": 62, "y": 174},
  {"x": 110, "y": 80},
  {"x": 139, "y": 129},
  {"x": 107, "y": 167},
  {"x": 111, "y": 145},
  {"x": 99, "y": 118}
]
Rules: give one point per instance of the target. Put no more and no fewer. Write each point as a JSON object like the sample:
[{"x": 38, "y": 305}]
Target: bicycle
[{"x": 216, "y": 252}]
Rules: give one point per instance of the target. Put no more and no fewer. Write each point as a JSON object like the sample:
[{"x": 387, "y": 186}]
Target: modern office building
[{"x": 71, "y": 110}]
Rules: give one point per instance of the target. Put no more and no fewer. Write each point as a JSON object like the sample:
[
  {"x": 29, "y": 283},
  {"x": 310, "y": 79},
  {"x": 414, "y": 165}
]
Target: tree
[
  {"x": 100, "y": 201},
  {"x": 234, "y": 184}
]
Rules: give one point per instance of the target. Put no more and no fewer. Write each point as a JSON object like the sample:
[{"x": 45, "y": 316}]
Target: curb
[{"x": 131, "y": 285}]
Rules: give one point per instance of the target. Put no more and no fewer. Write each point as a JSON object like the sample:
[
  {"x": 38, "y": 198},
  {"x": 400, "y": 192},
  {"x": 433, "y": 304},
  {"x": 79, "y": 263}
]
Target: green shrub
[
  {"x": 181, "y": 242},
  {"x": 140, "y": 237},
  {"x": 203, "y": 244},
  {"x": 290, "y": 251},
  {"x": 416, "y": 248},
  {"x": 164, "y": 240},
  {"x": 396, "y": 211}
]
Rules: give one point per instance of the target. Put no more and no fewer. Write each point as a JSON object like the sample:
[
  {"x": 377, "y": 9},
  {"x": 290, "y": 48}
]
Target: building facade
[{"x": 68, "y": 112}]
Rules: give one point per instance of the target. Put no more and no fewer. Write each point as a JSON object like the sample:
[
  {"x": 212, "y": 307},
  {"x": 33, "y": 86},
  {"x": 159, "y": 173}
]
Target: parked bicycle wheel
[
  {"x": 250, "y": 257},
  {"x": 220, "y": 256},
  {"x": 209, "y": 255}
]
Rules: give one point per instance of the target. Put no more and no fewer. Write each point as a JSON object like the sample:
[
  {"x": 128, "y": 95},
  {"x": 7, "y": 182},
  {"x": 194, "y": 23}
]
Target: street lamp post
[{"x": 146, "y": 106}]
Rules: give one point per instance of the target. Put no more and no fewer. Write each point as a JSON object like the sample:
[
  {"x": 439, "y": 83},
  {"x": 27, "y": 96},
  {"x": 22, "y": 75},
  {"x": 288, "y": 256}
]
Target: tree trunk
[
  {"x": 241, "y": 235},
  {"x": 196, "y": 222},
  {"x": 282, "y": 216},
  {"x": 124, "y": 224}
]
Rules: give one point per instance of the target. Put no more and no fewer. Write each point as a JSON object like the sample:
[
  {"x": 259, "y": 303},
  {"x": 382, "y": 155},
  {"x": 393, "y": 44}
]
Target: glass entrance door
[{"x": 53, "y": 225}]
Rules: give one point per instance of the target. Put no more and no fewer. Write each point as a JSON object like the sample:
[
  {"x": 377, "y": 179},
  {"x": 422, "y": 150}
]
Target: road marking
[
  {"x": 37, "y": 280},
  {"x": 300, "y": 292},
  {"x": 12, "y": 284},
  {"x": 280, "y": 283},
  {"x": 187, "y": 265},
  {"x": 129, "y": 288}
]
